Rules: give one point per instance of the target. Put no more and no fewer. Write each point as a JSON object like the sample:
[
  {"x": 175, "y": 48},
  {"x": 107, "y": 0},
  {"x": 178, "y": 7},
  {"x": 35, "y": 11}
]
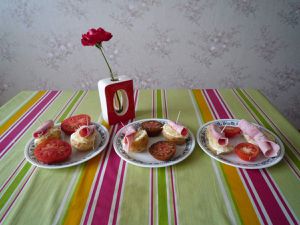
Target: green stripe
[
  {"x": 17, "y": 180},
  {"x": 131, "y": 202},
  {"x": 12, "y": 187},
  {"x": 161, "y": 175},
  {"x": 15, "y": 104},
  {"x": 198, "y": 194},
  {"x": 281, "y": 173},
  {"x": 282, "y": 124},
  {"x": 64, "y": 115},
  {"x": 267, "y": 125},
  {"x": 162, "y": 196},
  {"x": 159, "y": 104}
]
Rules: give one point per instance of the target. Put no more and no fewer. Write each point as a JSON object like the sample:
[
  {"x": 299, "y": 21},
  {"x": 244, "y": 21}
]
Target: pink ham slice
[
  {"x": 129, "y": 136},
  {"x": 269, "y": 148},
  {"x": 178, "y": 128},
  {"x": 86, "y": 131},
  {"x": 43, "y": 128},
  {"x": 216, "y": 134}
]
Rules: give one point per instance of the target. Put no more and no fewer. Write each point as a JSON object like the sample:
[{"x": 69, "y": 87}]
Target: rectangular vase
[{"x": 108, "y": 91}]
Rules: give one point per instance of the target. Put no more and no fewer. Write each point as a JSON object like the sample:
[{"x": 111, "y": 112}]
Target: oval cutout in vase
[{"x": 120, "y": 102}]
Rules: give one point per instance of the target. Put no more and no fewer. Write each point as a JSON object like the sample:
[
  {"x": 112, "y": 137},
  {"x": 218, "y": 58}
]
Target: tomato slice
[
  {"x": 231, "y": 131},
  {"x": 53, "y": 151},
  {"x": 71, "y": 124},
  {"x": 247, "y": 151}
]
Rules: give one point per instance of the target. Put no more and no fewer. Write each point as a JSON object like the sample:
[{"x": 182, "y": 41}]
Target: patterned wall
[{"x": 159, "y": 43}]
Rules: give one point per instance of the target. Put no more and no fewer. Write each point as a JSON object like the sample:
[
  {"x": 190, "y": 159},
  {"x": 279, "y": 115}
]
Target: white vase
[{"x": 108, "y": 91}]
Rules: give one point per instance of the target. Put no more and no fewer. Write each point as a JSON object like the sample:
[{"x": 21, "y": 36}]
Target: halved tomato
[
  {"x": 231, "y": 131},
  {"x": 53, "y": 151},
  {"x": 71, "y": 124},
  {"x": 247, "y": 151}
]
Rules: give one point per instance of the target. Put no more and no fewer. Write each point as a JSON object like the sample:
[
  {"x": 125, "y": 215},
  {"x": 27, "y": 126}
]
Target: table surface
[{"x": 107, "y": 190}]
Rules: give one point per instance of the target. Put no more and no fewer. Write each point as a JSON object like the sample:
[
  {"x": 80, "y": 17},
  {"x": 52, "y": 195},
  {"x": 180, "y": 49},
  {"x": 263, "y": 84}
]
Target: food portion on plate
[
  {"x": 245, "y": 139},
  {"x": 239, "y": 143},
  {"x": 46, "y": 131},
  {"x": 217, "y": 140},
  {"x": 166, "y": 134},
  {"x": 55, "y": 143},
  {"x": 53, "y": 151},
  {"x": 135, "y": 140},
  {"x": 84, "y": 138},
  {"x": 163, "y": 150},
  {"x": 71, "y": 124},
  {"x": 175, "y": 132},
  {"x": 247, "y": 151},
  {"x": 253, "y": 135},
  {"x": 152, "y": 127}
]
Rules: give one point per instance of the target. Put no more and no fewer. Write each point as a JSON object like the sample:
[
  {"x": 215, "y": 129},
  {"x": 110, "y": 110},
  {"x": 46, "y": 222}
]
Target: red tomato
[
  {"x": 247, "y": 151},
  {"x": 230, "y": 131},
  {"x": 53, "y": 151},
  {"x": 71, "y": 124}
]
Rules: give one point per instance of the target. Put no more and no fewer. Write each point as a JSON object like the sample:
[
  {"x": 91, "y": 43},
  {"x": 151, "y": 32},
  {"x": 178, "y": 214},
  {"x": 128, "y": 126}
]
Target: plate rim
[
  {"x": 53, "y": 166},
  {"x": 167, "y": 163},
  {"x": 209, "y": 153}
]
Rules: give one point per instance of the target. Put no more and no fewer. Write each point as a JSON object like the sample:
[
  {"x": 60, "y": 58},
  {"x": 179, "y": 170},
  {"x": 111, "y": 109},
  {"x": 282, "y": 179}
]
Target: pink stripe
[
  {"x": 104, "y": 202},
  {"x": 24, "y": 158},
  {"x": 174, "y": 199},
  {"x": 4, "y": 215},
  {"x": 171, "y": 168},
  {"x": 165, "y": 104},
  {"x": 271, "y": 121},
  {"x": 253, "y": 196},
  {"x": 210, "y": 105},
  {"x": 280, "y": 197},
  {"x": 65, "y": 106},
  {"x": 223, "y": 103},
  {"x": 78, "y": 103},
  {"x": 11, "y": 175},
  {"x": 18, "y": 131},
  {"x": 98, "y": 178},
  {"x": 23, "y": 116},
  {"x": 217, "y": 104},
  {"x": 286, "y": 158},
  {"x": 122, "y": 177},
  {"x": 151, "y": 170},
  {"x": 271, "y": 205},
  {"x": 119, "y": 194},
  {"x": 151, "y": 191}
]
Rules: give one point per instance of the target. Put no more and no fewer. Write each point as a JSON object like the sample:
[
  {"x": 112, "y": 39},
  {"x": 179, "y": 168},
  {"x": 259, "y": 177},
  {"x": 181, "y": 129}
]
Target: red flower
[{"x": 95, "y": 36}]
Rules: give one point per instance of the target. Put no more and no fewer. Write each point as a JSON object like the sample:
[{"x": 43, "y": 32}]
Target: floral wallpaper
[{"x": 159, "y": 43}]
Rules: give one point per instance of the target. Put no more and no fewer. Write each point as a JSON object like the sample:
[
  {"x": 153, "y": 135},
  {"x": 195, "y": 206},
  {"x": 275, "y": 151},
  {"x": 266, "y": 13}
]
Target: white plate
[
  {"x": 145, "y": 159},
  {"x": 77, "y": 157},
  {"x": 231, "y": 158}
]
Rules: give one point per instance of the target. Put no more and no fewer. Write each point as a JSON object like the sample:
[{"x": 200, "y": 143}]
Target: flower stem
[
  {"x": 120, "y": 107},
  {"x": 110, "y": 70}
]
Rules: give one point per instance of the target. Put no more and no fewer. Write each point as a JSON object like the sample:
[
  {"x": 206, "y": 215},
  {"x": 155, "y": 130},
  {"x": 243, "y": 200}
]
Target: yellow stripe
[
  {"x": 203, "y": 107},
  {"x": 79, "y": 199},
  {"x": 20, "y": 112},
  {"x": 240, "y": 197},
  {"x": 244, "y": 205},
  {"x": 81, "y": 194}
]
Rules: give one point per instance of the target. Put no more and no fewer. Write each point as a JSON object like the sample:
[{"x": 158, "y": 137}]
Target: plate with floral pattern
[
  {"x": 145, "y": 159},
  {"x": 231, "y": 158},
  {"x": 77, "y": 157}
]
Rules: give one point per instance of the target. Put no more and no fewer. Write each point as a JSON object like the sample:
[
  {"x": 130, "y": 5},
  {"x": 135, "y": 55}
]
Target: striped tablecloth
[{"x": 107, "y": 190}]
